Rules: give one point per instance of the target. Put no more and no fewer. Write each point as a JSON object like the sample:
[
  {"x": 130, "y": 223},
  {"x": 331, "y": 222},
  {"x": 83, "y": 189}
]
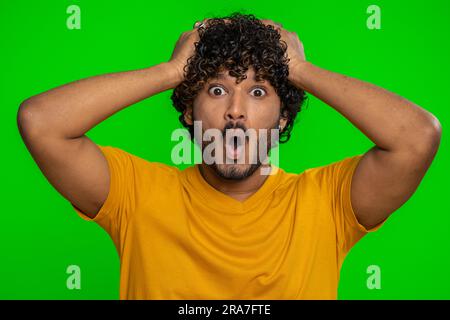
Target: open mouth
[{"x": 234, "y": 144}]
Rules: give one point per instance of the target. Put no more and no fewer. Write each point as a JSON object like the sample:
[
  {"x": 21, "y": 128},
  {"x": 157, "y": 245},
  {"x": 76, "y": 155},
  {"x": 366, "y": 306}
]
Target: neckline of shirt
[{"x": 219, "y": 201}]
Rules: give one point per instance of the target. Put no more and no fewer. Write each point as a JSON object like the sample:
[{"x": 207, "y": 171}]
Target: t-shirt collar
[{"x": 220, "y": 201}]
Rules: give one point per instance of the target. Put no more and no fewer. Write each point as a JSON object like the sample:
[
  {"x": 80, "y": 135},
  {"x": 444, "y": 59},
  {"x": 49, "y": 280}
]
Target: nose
[{"x": 236, "y": 109}]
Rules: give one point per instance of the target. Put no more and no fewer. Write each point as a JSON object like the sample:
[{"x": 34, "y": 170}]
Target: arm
[
  {"x": 53, "y": 124},
  {"x": 406, "y": 136}
]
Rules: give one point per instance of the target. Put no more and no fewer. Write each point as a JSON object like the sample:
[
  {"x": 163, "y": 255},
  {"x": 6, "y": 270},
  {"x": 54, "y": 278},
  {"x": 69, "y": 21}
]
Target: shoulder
[
  {"x": 322, "y": 176},
  {"x": 130, "y": 162},
  {"x": 333, "y": 170}
]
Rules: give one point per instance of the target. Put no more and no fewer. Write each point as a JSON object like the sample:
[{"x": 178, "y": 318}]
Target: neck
[{"x": 237, "y": 189}]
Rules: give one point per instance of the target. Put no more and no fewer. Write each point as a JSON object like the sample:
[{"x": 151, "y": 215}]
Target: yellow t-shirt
[{"x": 179, "y": 238}]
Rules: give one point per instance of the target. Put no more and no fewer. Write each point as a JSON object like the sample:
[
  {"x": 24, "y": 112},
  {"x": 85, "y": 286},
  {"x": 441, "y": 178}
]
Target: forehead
[{"x": 224, "y": 75}]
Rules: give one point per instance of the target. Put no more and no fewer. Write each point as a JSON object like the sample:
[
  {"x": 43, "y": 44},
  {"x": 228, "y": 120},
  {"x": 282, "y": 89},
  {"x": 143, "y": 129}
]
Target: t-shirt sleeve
[
  {"x": 120, "y": 202},
  {"x": 338, "y": 179}
]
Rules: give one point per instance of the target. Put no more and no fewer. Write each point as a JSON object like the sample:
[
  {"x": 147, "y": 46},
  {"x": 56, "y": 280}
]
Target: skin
[
  {"x": 406, "y": 136},
  {"x": 254, "y": 104}
]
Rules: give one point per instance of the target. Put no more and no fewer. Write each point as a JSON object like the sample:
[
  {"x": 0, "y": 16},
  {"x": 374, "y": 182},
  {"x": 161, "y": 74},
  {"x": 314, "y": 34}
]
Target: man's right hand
[
  {"x": 184, "y": 49},
  {"x": 54, "y": 124}
]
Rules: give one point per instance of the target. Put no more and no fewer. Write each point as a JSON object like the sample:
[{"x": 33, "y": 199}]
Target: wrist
[
  {"x": 176, "y": 71},
  {"x": 298, "y": 72},
  {"x": 168, "y": 76}
]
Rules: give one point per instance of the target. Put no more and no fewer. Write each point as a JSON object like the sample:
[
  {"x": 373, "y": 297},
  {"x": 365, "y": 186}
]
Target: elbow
[
  {"x": 431, "y": 137},
  {"x": 28, "y": 117},
  {"x": 434, "y": 133}
]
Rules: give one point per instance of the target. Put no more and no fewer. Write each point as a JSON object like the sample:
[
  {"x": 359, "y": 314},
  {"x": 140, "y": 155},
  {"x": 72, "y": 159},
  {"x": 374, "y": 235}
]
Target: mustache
[{"x": 233, "y": 125}]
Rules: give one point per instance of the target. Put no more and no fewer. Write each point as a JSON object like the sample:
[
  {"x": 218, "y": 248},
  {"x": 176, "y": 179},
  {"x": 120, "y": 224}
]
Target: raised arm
[
  {"x": 53, "y": 124},
  {"x": 406, "y": 136}
]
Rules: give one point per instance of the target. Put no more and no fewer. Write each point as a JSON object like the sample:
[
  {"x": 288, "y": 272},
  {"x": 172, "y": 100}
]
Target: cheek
[
  {"x": 209, "y": 115},
  {"x": 266, "y": 114}
]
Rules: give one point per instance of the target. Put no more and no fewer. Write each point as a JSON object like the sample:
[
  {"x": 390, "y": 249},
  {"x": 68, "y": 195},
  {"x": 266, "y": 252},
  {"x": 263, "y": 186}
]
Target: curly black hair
[{"x": 237, "y": 42}]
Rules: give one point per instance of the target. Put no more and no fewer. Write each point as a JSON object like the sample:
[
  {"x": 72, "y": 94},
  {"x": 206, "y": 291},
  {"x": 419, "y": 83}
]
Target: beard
[
  {"x": 239, "y": 171},
  {"x": 235, "y": 171}
]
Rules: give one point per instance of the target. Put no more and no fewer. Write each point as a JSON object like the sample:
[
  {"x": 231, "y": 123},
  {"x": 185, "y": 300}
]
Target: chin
[{"x": 235, "y": 171}]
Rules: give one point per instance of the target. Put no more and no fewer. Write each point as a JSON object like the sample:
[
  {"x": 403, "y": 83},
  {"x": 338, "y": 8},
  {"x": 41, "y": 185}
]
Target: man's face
[{"x": 248, "y": 106}]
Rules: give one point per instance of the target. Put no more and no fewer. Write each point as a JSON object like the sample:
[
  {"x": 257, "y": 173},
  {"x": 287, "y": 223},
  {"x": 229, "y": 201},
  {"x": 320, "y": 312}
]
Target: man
[{"x": 225, "y": 230}]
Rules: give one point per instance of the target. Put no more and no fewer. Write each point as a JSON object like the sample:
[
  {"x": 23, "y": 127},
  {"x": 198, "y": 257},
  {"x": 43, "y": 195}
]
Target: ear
[
  {"x": 284, "y": 118},
  {"x": 188, "y": 116},
  {"x": 283, "y": 123}
]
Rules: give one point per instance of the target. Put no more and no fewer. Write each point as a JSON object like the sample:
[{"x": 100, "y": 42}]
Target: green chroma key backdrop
[{"x": 41, "y": 236}]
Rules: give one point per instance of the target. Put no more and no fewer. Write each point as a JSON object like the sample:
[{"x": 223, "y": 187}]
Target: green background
[{"x": 40, "y": 234}]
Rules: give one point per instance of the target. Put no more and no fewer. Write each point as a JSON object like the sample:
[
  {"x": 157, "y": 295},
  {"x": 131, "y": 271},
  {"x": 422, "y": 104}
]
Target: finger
[
  {"x": 198, "y": 24},
  {"x": 267, "y": 22},
  {"x": 270, "y": 22},
  {"x": 278, "y": 24},
  {"x": 201, "y": 24},
  {"x": 295, "y": 34}
]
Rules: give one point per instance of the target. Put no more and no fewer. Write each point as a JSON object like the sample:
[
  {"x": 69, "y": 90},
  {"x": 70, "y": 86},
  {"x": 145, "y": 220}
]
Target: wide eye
[
  {"x": 259, "y": 92},
  {"x": 216, "y": 91}
]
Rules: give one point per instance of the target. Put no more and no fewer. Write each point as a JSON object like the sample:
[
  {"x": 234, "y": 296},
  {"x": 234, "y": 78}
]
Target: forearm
[
  {"x": 69, "y": 111},
  {"x": 390, "y": 121}
]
